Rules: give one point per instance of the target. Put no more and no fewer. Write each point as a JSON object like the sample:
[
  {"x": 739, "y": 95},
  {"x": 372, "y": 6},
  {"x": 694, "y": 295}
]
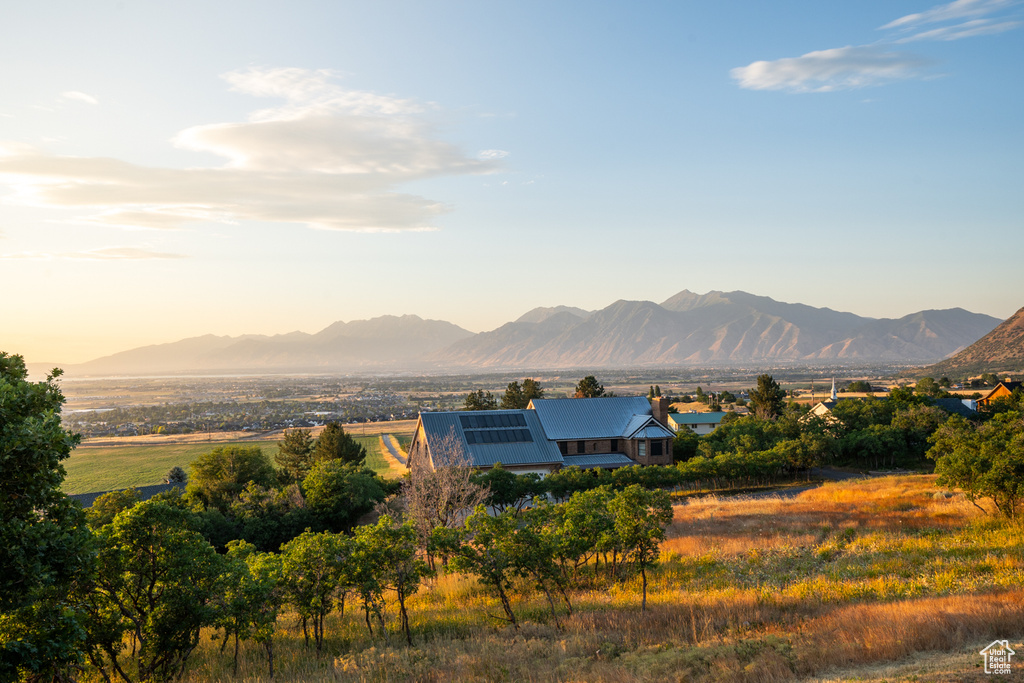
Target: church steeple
[{"x": 834, "y": 397}]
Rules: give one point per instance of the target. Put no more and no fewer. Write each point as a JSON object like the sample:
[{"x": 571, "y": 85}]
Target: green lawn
[{"x": 105, "y": 468}]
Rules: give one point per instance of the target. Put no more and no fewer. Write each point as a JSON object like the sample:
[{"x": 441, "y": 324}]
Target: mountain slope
[{"x": 999, "y": 351}]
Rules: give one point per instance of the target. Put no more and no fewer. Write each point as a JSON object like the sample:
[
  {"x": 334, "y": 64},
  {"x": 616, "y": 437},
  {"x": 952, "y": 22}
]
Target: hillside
[{"x": 1000, "y": 351}]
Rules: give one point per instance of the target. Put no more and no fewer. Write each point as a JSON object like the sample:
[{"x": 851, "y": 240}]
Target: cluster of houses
[{"x": 609, "y": 432}]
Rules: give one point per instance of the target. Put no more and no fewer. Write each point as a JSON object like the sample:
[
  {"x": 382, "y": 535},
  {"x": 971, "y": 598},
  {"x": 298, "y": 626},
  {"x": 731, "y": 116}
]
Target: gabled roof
[
  {"x": 589, "y": 418},
  {"x": 696, "y": 418},
  {"x": 955, "y": 405},
  {"x": 1008, "y": 386},
  {"x": 511, "y": 437}
]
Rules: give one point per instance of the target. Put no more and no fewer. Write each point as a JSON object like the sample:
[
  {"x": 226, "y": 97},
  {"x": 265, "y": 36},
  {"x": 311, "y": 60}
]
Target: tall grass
[{"x": 848, "y": 575}]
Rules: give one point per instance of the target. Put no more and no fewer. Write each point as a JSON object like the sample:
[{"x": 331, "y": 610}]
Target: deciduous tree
[
  {"x": 44, "y": 541},
  {"x": 220, "y": 475},
  {"x": 640, "y": 520}
]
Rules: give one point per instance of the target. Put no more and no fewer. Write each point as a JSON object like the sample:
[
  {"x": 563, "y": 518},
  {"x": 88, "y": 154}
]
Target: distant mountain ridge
[
  {"x": 388, "y": 341},
  {"x": 716, "y": 328}
]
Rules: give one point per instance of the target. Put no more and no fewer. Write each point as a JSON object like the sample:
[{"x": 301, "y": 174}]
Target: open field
[
  {"x": 120, "y": 462},
  {"x": 871, "y": 580}
]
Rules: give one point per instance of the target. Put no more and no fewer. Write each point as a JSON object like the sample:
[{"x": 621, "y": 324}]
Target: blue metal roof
[
  {"x": 589, "y": 418},
  {"x": 653, "y": 431},
  {"x": 604, "y": 460},
  {"x": 696, "y": 418},
  {"x": 511, "y": 437}
]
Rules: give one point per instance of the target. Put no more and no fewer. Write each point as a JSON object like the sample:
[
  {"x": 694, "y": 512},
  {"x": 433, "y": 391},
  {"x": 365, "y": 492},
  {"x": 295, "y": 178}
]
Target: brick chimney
[{"x": 659, "y": 408}]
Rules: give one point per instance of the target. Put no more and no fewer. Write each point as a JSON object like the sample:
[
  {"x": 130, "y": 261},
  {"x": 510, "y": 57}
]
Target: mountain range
[{"x": 717, "y": 328}]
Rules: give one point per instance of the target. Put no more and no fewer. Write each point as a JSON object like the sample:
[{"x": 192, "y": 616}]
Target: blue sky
[{"x": 174, "y": 169}]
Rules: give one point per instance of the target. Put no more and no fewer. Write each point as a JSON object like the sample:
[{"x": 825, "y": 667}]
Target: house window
[
  {"x": 581, "y": 446},
  {"x": 563, "y": 447},
  {"x": 614, "y": 445},
  {"x": 641, "y": 449},
  {"x": 656, "y": 447}
]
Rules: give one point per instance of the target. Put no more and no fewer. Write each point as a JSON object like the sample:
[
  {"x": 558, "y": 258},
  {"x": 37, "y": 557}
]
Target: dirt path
[{"x": 393, "y": 448}]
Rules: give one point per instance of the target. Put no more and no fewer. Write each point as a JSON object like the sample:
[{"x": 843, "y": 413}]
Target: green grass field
[{"x": 106, "y": 468}]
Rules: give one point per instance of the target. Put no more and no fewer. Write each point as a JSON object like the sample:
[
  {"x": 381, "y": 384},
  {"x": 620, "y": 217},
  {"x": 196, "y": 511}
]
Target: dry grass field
[{"x": 867, "y": 580}]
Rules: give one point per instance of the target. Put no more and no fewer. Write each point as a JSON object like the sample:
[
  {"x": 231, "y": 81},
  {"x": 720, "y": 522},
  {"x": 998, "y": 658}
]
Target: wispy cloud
[
  {"x": 861, "y": 66},
  {"x": 492, "y": 154},
  {"x": 326, "y": 157},
  {"x": 79, "y": 97},
  {"x": 103, "y": 254},
  {"x": 968, "y": 29},
  {"x": 952, "y": 11},
  {"x": 840, "y": 68}
]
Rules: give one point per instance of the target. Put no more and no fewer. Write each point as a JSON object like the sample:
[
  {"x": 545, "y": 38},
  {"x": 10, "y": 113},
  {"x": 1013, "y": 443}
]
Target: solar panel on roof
[
  {"x": 475, "y": 436},
  {"x": 491, "y": 421}
]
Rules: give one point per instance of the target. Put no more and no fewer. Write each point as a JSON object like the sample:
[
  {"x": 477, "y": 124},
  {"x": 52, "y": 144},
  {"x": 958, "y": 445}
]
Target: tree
[
  {"x": 220, "y": 475},
  {"x": 313, "y": 566},
  {"x": 484, "y": 549},
  {"x": 480, "y": 400},
  {"x": 684, "y": 445},
  {"x": 990, "y": 379},
  {"x": 768, "y": 400},
  {"x": 508, "y": 490},
  {"x": 518, "y": 397},
  {"x": 388, "y": 551},
  {"x": 532, "y": 390},
  {"x": 295, "y": 455},
  {"x": 44, "y": 541},
  {"x": 985, "y": 461},
  {"x": 176, "y": 475},
  {"x": 588, "y": 387},
  {"x": 439, "y": 496},
  {"x": 640, "y": 520},
  {"x": 927, "y": 386},
  {"x": 105, "y": 508},
  {"x": 335, "y": 444},
  {"x": 154, "y": 589},
  {"x": 253, "y": 596},
  {"x": 338, "y": 493},
  {"x": 657, "y": 390},
  {"x": 859, "y": 386}
]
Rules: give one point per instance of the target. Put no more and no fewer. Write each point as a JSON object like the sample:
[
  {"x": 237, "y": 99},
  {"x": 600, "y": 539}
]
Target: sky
[{"x": 173, "y": 169}]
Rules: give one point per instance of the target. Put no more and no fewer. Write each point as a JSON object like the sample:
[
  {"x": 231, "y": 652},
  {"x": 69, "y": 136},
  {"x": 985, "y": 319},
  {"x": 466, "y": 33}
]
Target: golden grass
[{"x": 851, "y": 580}]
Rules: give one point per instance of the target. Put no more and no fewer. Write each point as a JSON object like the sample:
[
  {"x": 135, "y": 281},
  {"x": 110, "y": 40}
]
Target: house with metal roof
[
  {"x": 550, "y": 434},
  {"x": 698, "y": 423},
  {"x": 481, "y": 438},
  {"x": 607, "y": 430}
]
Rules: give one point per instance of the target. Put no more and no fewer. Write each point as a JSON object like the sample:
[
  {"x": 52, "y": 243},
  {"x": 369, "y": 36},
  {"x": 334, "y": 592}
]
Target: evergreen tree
[
  {"x": 335, "y": 444},
  {"x": 532, "y": 390},
  {"x": 589, "y": 387},
  {"x": 768, "y": 399},
  {"x": 295, "y": 454},
  {"x": 514, "y": 398},
  {"x": 480, "y": 400}
]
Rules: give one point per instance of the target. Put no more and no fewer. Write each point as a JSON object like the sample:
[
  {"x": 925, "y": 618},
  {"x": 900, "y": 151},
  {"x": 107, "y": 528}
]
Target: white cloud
[
  {"x": 840, "y": 68},
  {"x": 953, "y": 11},
  {"x": 327, "y": 157},
  {"x": 492, "y": 154},
  {"x": 102, "y": 254},
  {"x": 968, "y": 29},
  {"x": 79, "y": 96}
]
